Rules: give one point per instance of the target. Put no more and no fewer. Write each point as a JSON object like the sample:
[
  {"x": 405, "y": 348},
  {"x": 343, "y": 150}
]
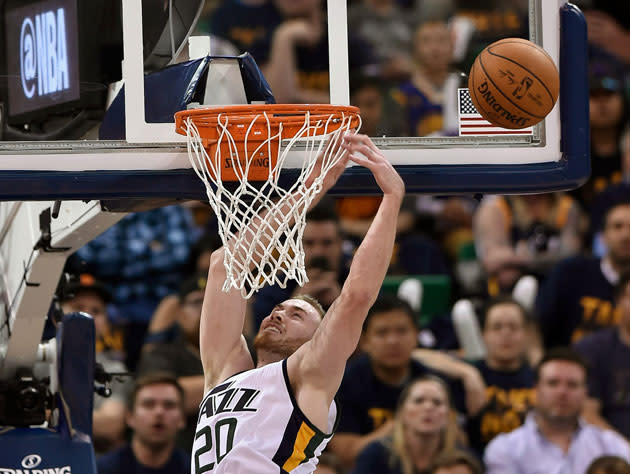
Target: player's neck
[
  {"x": 392, "y": 376},
  {"x": 266, "y": 358},
  {"x": 152, "y": 456}
]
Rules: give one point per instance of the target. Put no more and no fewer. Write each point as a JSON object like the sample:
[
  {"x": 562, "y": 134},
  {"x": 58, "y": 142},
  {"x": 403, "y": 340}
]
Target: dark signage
[{"x": 42, "y": 55}]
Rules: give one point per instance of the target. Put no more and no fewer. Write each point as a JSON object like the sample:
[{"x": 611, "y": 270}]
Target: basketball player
[{"x": 277, "y": 417}]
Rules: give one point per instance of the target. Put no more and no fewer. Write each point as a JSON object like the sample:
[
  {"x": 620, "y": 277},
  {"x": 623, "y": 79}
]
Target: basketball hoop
[{"x": 238, "y": 152}]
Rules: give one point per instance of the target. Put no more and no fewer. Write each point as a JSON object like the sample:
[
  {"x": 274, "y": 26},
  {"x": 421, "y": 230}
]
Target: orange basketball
[{"x": 514, "y": 83}]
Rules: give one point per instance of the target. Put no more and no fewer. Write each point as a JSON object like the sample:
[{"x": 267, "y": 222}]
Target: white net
[{"x": 267, "y": 250}]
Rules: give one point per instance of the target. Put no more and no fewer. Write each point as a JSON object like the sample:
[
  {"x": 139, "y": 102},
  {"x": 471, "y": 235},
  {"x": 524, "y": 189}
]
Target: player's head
[
  {"x": 561, "y": 386},
  {"x": 505, "y": 330},
  {"x": 617, "y": 232},
  {"x": 390, "y": 333},
  {"x": 155, "y": 411},
  {"x": 290, "y": 324}
]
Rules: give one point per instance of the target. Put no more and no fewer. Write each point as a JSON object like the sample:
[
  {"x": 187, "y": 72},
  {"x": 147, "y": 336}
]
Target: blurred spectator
[
  {"x": 239, "y": 26},
  {"x": 373, "y": 382},
  {"x": 423, "y": 428},
  {"x": 577, "y": 297},
  {"x": 609, "y": 26},
  {"x": 87, "y": 295},
  {"x": 181, "y": 357},
  {"x": 608, "y": 465},
  {"x": 554, "y": 438},
  {"x": 427, "y": 99},
  {"x": 328, "y": 464},
  {"x": 199, "y": 260},
  {"x": 142, "y": 259},
  {"x": 155, "y": 415},
  {"x": 324, "y": 259},
  {"x": 509, "y": 378},
  {"x": 493, "y": 20},
  {"x": 608, "y": 354},
  {"x": 387, "y": 28},
  {"x": 515, "y": 235},
  {"x": 377, "y": 115},
  {"x": 456, "y": 462},
  {"x": 298, "y": 66},
  {"x": 609, "y": 120}
]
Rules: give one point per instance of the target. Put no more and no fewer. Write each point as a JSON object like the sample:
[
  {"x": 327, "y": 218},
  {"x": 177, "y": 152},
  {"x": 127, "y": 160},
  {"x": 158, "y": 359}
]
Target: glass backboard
[{"x": 65, "y": 62}]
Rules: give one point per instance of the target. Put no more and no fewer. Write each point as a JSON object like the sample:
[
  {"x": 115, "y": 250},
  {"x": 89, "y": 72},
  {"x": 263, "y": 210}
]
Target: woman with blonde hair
[{"x": 424, "y": 427}]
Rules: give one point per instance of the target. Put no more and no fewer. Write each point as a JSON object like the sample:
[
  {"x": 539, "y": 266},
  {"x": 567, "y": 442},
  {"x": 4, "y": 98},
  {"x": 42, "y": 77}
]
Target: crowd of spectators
[{"x": 551, "y": 392}]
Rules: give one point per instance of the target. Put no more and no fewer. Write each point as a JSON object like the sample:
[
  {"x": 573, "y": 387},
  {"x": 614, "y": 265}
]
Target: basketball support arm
[{"x": 35, "y": 240}]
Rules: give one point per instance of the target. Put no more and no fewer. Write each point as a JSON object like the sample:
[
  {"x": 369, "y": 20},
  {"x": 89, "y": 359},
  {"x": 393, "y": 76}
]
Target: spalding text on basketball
[
  {"x": 498, "y": 108},
  {"x": 44, "y": 54}
]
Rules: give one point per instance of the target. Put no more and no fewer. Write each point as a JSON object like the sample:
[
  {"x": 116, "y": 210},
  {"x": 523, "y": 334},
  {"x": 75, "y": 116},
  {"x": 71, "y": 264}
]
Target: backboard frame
[{"x": 139, "y": 169}]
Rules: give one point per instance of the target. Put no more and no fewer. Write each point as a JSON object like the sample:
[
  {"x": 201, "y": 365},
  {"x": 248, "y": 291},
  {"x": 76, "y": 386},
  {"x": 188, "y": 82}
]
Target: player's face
[
  {"x": 561, "y": 391},
  {"x": 87, "y": 301},
  {"x": 157, "y": 414},
  {"x": 426, "y": 409},
  {"x": 617, "y": 235},
  {"x": 322, "y": 239},
  {"x": 433, "y": 46},
  {"x": 290, "y": 324},
  {"x": 389, "y": 339},
  {"x": 504, "y": 333}
]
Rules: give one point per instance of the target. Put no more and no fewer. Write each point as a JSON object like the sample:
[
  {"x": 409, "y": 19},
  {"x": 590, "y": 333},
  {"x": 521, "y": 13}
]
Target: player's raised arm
[
  {"x": 320, "y": 363},
  {"x": 222, "y": 346}
]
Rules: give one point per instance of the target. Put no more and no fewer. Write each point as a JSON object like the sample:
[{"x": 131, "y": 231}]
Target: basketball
[{"x": 514, "y": 83}]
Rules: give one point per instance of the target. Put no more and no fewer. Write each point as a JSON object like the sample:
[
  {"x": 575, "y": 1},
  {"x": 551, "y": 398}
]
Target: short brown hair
[
  {"x": 455, "y": 458},
  {"x": 609, "y": 465},
  {"x": 154, "y": 378},
  {"x": 313, "y": 302},
  {"x": 566, "y": 354}
]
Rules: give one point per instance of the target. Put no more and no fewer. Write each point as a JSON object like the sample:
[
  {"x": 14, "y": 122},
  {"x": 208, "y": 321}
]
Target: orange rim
[{"x": 289, "y": 115}]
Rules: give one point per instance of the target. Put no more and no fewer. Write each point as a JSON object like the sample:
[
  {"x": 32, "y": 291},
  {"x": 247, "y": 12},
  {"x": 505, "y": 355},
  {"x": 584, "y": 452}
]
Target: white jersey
[{"x": 251, "y": 423}]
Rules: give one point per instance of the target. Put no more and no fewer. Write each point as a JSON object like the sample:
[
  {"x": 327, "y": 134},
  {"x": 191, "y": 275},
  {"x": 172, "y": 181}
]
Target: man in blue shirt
[
  {"x": 156, "y": 414},
  {"x": 554, "y": 439}
]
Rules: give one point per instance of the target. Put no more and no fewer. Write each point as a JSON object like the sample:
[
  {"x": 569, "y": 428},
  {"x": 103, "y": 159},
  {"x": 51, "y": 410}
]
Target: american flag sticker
[{"x": 471, "y": 123}]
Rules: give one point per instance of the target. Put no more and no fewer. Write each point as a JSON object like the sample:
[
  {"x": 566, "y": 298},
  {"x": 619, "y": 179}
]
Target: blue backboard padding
[
  {"x": 75, "y": 343},
  {"x": 171, "y": 89},
  {"x": 43, "y": 449}
]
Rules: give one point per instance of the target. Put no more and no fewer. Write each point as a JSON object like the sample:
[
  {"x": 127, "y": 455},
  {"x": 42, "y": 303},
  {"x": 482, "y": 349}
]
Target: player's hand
[
  {"x": 364, "y": 152},
  {"x": 333, "y": 174}
]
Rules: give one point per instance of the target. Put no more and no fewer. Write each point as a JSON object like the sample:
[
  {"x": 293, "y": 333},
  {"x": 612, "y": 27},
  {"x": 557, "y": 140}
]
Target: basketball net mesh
[{"x": 269, "y": 250}]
